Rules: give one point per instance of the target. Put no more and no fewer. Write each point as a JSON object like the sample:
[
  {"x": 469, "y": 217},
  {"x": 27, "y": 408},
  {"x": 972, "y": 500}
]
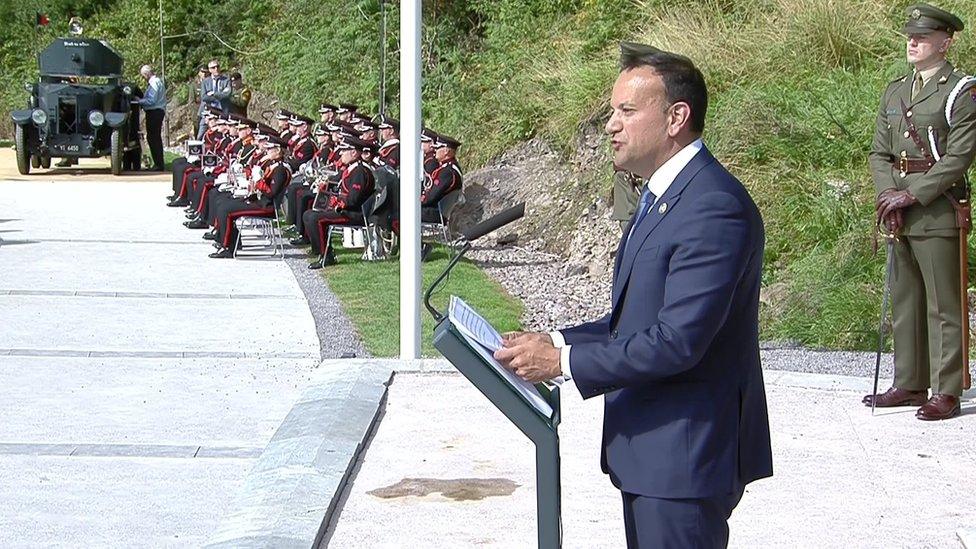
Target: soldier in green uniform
[
  {"x": 626, "y": 193},
  {"x": 924, "y": 143},
  {"x": 240, "y": 95}
]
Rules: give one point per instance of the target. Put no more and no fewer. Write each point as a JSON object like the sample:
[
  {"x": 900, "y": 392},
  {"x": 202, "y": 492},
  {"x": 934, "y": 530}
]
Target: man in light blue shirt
[{"x": 154, "y": 103}]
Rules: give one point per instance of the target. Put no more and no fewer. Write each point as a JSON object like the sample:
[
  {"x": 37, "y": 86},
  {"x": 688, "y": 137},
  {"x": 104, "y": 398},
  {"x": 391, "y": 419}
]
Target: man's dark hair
[
  {"x": 682, "y": 80},
  {"x": 235, "y": 76}
]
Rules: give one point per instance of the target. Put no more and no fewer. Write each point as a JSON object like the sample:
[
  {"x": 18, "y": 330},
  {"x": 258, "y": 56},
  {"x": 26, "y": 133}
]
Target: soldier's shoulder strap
[{"x": 954, "y": 94}]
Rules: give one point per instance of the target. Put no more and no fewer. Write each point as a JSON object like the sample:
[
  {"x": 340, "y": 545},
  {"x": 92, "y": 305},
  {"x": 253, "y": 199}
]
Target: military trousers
[{"x": 927, "y": 314}]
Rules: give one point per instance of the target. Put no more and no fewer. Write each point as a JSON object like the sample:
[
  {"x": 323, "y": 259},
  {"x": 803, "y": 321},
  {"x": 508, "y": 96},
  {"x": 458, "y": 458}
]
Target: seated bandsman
[
  {"x": 243, "y": 154},
  {"x": 215, "y": 139},
  {"x": 261, "y": 201},
  {"x": 181, "y": 164},
  {"x": 445, "y": 179},
  {"x": 344, "y": 207},
  {"x": 346, "y": 111},
  {"x": 327, "y": 113},
  {"x": 389, "y": 153},
  {"x": 368, "y": 131},
  {"x": 284, "y": 117},
  {"x": 200, "y": 183},
  {"x": 300, "y": 194},
  {"x": 301, "y": 147},
  {"x": 427, "y": 137}
]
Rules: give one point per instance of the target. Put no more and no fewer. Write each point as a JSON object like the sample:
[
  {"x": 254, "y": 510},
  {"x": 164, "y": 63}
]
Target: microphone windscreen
[{"x": 494, "y": 223}]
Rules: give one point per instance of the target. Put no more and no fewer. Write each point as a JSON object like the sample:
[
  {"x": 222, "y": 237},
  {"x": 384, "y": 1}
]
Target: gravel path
[
  {"x": 337, "y": 336},
  {"x": 557, "y": 294}
]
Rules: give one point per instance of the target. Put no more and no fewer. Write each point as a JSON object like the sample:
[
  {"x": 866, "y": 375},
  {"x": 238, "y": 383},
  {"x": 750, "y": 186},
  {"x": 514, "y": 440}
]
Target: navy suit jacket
[{"x": 677, "y": 357}]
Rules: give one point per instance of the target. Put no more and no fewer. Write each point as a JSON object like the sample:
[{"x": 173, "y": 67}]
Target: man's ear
[{"x": 679, "y": 117}]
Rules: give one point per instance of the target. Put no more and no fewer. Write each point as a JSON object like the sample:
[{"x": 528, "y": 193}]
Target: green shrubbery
[{"x": 794, "y": 89}]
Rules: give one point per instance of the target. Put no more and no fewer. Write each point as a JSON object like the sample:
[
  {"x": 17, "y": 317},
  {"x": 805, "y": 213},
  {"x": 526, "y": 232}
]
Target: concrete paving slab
[
  {"x": 113, "y": 502},
  {"x": 203, "y": 402},
  {"x": 295, "y": 487},
  {"x": 137, "y": 324},
  {"x": 843, "y": 478},
  {"x": 126, "y": 210},
  {"x": 166, "y": 270},
  {"x": 138, "y": 379}
]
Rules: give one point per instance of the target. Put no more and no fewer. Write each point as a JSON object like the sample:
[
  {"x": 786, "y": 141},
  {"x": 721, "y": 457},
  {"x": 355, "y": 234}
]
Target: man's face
[
  {"x": 927, "y": 47},
  {"x": 345, "y": 116},
  {"x": 244, "y": 133},
  {"x": 282, "y": 125},
  {"x": 368, "y": 135},
  {"x": 274, "y": 153},
  {"x": 236, "y": 83},
  {"x": 386, "y": 134},
  {"x": 322, "y": 139},
  {"x": 301, "y": 130},
  {"x": 639, "y": 124},
  {"x": 214, "y": 69},
  {"x": 442, "y": 154},
  {"x": 201, "y": 75},
  {"x": 427, "y": 146},
  {"x": 349, "y": 156}
]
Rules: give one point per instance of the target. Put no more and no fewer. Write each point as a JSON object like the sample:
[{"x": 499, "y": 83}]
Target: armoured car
[{"x": 79, "y": 108}]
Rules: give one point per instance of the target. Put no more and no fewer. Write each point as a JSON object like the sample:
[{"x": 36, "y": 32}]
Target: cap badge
[{"x": 916, "y": 13}]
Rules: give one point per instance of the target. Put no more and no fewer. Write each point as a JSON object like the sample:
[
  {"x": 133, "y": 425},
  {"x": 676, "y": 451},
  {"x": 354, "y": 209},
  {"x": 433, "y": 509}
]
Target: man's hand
[
  {"x": 891, "y": 200},
  {"x": 895, "y": 221},
  {"x": 530, "y": 355}
]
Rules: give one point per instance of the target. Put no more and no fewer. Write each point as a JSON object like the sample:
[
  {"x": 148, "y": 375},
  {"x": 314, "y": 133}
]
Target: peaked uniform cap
[
  {"x": 445, "y": 141},
  {"x": 926, "y": 18}
]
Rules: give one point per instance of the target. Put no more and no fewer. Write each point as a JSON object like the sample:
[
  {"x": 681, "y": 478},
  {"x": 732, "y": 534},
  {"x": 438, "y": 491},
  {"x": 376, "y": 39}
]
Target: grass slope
[{"x": 370, "y": 295}]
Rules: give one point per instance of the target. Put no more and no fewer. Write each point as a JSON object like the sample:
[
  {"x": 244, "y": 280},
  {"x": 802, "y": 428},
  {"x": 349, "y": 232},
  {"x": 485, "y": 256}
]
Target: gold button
[
  {"x": 904, "y": 154},
  {"x": 907, "y": 135},
  {"x": 908, "y": 114},
  {"x": 902, "y": 174}
]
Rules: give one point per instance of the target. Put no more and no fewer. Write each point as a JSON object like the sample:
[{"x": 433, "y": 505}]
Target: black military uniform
[
  {"x": 344, "y": 207},
  {"x": 444, "y": 180},
  {"x": 260, "y": 203}
]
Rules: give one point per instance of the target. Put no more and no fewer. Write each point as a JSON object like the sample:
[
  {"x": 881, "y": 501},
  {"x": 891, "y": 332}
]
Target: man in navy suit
[{"x": 677, "y": 357}]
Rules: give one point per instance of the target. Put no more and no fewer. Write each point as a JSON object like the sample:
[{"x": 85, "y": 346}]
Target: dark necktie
[{"x": 647, "y": 199}]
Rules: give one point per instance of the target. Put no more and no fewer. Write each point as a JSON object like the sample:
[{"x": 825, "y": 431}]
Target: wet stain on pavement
[{"x": 458, "y": 489}]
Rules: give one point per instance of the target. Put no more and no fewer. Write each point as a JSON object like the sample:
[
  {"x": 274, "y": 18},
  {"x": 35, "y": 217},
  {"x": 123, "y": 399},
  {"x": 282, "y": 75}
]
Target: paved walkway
[
  {"x": 446, "y": 469},
  {"x": 139, "y": 380}
]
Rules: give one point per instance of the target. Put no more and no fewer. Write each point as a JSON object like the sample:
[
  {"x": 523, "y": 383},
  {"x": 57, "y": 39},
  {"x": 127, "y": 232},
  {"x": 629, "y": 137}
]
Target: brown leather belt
[{"x": 906, "y": 165}]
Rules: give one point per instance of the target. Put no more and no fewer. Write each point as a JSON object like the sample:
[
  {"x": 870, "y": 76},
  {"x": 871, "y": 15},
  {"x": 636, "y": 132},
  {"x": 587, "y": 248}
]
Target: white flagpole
[{"x": 410, "y": 178}]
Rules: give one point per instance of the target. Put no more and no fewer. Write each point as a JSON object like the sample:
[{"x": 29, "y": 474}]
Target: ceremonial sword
[{"x": 889, "y": 267}]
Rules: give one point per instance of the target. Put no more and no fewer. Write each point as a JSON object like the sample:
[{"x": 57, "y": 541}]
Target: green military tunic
[
  {"x": 925, "y": 286},
  {"x": 626, "y": 194}
]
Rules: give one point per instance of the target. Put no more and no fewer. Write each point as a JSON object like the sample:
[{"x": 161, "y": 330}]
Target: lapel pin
[{"x": 663, "y": 208}]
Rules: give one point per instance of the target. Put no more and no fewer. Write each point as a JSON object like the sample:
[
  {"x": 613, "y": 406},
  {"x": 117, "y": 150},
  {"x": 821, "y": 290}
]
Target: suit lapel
[{"x": 662, "y": 208}]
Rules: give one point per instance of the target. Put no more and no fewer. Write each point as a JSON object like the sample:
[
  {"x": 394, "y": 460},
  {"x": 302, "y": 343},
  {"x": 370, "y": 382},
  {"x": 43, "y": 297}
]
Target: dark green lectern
[{"x": 528, "y": 415}]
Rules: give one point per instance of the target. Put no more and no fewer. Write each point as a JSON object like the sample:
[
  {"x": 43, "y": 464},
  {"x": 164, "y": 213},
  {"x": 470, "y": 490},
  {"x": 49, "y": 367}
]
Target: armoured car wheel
[
  {"x": 116, "y": 152},
  {"x": 35, "y": 161},
  {"x": 46, "y": 162},
  {"x": 23, "y": 158}
]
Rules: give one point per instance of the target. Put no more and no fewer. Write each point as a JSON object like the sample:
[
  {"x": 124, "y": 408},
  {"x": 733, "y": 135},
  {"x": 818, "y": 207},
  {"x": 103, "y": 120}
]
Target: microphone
[
  {"x": 463, "y": 244},
  {"x": 494, "y": 223}
]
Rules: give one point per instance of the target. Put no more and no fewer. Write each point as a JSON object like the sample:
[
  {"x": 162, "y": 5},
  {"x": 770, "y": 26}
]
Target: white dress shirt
[{"x": 659, "y": 183}]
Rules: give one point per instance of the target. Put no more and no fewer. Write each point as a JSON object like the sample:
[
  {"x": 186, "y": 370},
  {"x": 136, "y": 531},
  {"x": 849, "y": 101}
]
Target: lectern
[{"x": 528, "y": 414}]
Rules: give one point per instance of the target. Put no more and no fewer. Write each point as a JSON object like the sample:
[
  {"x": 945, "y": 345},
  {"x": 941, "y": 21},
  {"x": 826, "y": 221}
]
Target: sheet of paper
[
  {"x": 459, "y": 312},
  {"x": 473, "y": 325}
]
